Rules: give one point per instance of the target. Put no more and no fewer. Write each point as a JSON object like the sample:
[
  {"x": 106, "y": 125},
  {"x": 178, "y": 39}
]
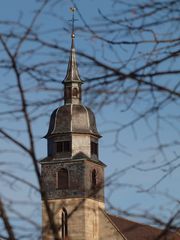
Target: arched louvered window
[
  {"x": 94, "y": 179},
  {"x": 68, "y": 92},
  {"x": 75, "y": 92},
  {"x": 63, "y": 147},
  {"x": 64, "y": 224},
  {"x": 62, "y": 179}
]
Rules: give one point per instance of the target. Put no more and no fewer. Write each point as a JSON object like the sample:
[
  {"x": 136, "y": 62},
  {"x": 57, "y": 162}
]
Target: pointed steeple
[
  {"x": 72, "y": 74},
  {"x": 72, "y": 82}
]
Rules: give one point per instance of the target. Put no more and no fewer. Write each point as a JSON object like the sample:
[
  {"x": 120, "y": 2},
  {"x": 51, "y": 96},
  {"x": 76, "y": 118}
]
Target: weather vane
[{"x": 73, "y": 9}]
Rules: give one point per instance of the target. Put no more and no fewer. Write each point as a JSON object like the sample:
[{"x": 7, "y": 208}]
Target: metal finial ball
[{"x": 73, "y": 9}]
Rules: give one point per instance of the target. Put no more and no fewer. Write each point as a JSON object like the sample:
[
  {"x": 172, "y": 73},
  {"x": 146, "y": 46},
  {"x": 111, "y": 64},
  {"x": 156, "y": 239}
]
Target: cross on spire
[{"x": 73, "y": 9}]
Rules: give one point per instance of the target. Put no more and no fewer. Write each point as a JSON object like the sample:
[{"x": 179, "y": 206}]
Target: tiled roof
[{"x": 136, "y": 231}]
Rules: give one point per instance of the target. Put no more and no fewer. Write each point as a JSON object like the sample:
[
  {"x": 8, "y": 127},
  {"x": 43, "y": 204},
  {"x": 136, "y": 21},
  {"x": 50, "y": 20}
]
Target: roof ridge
[{"x": 143, "y": 224}]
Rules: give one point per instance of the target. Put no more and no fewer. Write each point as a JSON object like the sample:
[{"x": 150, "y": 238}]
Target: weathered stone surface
[
  {"x": 80, "y": 179},
  {"x": 86, "y": 220},
  {"x": 76, "y": 217},
  {"x": 107, "y": 230},
  {"x": 81, "y": 143}
]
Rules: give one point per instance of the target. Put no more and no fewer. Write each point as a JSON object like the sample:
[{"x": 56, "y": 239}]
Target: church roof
[
  {"x": 136, "y": 231},
  {"x": 72, "y": 118}
]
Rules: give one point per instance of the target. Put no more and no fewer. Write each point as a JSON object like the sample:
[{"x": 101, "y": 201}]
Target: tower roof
[
  {"x": 72, "y": 74},
  {"x": 72, "y": 119}
]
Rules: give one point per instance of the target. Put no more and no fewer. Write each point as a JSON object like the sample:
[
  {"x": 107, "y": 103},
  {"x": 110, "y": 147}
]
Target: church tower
[{"x": 72, "y": 174}]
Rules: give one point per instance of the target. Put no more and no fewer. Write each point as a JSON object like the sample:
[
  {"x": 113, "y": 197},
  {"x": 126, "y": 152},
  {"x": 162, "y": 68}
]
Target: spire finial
[{"x": 73, "y": 9}]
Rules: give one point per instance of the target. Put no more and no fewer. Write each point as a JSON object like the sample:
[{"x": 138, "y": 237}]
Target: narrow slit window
[
  {"x": 64, "y": 224},
  {"x": 67, "y": 146},
  {"x": 68, "y": 93},
  {"x": 94, "y": 148},
  {"x": 94, "y": 179},
  {"x": 59, "y": 146}
]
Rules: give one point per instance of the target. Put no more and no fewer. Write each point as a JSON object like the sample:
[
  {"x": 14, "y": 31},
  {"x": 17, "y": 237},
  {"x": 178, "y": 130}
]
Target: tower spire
[
  {"x": 72, "y": 74},
  {"x": 72, "y": 81}
]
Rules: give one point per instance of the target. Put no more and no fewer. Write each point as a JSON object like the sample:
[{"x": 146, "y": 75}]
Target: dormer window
[{"x": 63, "y": 147}]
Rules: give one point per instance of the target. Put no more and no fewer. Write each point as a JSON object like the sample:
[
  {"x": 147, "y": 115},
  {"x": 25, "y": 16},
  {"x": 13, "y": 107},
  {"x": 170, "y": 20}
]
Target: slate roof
[
  {"x": 70, "y": 118},
  {"x": 136, "y": 231}
]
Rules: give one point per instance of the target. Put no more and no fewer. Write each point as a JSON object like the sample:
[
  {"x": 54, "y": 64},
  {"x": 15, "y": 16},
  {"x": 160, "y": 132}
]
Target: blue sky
[{"x": 133, "y": 149}]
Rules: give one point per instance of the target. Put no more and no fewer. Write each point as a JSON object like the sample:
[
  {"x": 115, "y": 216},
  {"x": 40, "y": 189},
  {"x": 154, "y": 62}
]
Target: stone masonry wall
[
  {"x": 82, "y": 225},
  {"x": 87, "y": 220},
  {"x": 80, "y": 179},
  {"x": 108, "y": 231}
]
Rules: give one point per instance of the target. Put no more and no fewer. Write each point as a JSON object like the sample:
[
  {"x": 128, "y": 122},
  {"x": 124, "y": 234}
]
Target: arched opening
[
  {"x": 64, "y": 224},
  {"x": 94, "y": 179},
  {"x": 68, "y": 92},
  {"x": 62, "y": 179},
  {"x": 75, "y": 92},
  {"x": 94, "y": 148}
]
